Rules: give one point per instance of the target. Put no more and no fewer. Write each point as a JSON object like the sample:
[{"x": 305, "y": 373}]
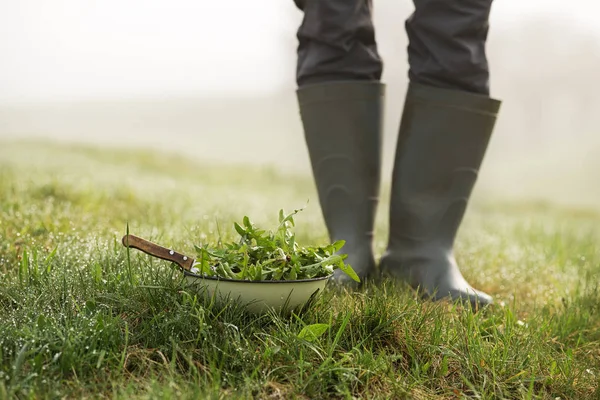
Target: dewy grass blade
[{"x": 129, "y": 274}]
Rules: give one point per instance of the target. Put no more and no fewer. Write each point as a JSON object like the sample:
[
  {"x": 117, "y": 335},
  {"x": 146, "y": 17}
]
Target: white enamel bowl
[{"x": 259, "y": 296}]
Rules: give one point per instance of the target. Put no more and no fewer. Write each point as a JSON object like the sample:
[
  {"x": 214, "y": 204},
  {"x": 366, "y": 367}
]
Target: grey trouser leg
[
  {"x": 447, "y": 38},
  {"x": 447, "y": 44},
  {"x": 336, "y": 42}
]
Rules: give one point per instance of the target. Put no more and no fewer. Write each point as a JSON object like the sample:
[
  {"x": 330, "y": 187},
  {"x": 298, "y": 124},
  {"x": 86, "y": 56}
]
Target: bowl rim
[{"x": 213, "y": 278}]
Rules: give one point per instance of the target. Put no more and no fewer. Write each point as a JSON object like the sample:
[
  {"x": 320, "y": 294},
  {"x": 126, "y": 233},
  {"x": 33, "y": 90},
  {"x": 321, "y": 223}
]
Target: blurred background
[{"x": 215, "y": 80}]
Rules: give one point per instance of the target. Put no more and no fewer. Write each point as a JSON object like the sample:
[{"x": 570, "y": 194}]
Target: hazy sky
[{"x": 64, "y": 49}]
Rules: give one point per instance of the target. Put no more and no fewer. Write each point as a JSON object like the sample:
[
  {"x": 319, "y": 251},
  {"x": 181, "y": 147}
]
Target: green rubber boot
[
  {"x": 442, "y": 141},
  {"x": 343, "y": 127}
]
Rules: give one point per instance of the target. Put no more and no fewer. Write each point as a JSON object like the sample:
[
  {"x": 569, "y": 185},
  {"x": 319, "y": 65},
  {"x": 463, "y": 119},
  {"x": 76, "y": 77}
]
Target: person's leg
[
  {"x": 341, "y": 106},
  {"x": 336, "y": 42},
  {"x": 446, "y": 125},
  {"x": 447, "y": 42}
]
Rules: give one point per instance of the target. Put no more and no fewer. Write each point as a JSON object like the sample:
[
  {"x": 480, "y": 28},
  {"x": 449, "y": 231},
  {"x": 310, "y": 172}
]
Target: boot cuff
[{"x": 474, "y": 102}]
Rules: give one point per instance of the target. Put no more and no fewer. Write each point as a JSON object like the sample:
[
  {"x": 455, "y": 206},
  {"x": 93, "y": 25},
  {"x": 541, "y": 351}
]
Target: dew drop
[{"x": 171, "y": 252}]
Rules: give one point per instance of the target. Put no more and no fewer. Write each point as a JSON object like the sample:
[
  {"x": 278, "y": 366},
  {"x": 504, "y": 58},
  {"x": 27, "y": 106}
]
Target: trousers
[{"x": 447, "y": 39}]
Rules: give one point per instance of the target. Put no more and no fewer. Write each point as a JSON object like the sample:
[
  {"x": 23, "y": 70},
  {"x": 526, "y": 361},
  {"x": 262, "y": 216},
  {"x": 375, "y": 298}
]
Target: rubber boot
[
  {"x": 343, "y": 126},
  {"x": 443, "y": 137}
]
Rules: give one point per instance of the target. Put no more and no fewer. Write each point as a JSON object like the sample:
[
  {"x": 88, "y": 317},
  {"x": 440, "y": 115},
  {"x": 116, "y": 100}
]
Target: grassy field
[{"x": 77, "y": 320}]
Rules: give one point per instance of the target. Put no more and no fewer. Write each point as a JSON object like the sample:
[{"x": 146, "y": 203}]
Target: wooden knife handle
[{"x": 155, "y": 250}]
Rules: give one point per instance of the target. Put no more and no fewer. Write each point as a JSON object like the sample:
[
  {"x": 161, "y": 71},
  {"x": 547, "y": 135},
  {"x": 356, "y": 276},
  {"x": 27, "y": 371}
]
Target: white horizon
[{"x": 71, "y": 49}]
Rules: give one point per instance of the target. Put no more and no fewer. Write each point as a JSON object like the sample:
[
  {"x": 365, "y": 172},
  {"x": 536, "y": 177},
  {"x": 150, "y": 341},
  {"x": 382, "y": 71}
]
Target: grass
[{"x": 77, "y": 320}]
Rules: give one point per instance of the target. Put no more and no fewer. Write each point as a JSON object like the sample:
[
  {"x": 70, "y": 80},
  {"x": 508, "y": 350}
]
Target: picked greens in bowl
[{"x": 266, "y": 255}]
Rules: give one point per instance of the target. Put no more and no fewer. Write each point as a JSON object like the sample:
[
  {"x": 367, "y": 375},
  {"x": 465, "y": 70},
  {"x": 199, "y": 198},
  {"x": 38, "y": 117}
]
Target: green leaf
[
  {"x": 258, "y": 273},
  {"x": 247, "y": 222},
  {"x": 349, "y": 271},
  {"x": 337, "y": 246},
  {"x": 239, "y": 229},
  {"x": 292, "y": 274},
  {"x": 310, "y": 333},
  {"x": 289, "y": 217}
]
